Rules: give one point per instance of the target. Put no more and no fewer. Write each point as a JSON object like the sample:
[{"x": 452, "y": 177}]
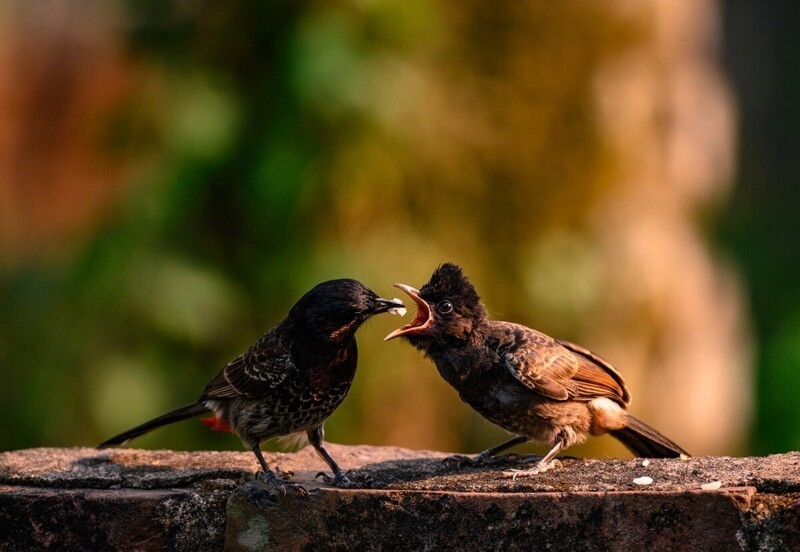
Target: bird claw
[
  {"x": 534, "y": 471},
  {"x": 339, "y": 479},
  {"x": 513, "y": 474},
  {"x": 281, "y": 486}
]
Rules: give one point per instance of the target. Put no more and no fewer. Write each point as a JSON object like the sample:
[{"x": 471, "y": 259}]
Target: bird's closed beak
[
  {"x": 421, "y": 321},
  {"x": 392, "y": 306}
]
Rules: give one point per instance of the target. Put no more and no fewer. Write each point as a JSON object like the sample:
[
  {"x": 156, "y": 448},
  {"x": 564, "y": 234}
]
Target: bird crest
[{"x": 448, "y": 280}]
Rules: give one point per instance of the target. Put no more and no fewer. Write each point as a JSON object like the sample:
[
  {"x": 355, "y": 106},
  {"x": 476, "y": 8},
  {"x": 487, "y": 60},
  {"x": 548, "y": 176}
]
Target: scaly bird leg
[
  {"x": 542, "y": 465},
  {"x": 315, "y": 437},
  {"x": 268, "y": 476}
]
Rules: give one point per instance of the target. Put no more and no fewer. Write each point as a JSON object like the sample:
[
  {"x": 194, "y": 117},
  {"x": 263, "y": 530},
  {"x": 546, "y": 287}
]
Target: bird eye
[{"x": 445, "y": 307}]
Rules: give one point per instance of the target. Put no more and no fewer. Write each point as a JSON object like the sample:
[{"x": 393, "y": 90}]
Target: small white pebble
[
  {"x": 684, "y": 457},
  {"x": 643, "y": 480},
  {"x": 713, "y": 486},
  {"x": 645, "y": 462}
]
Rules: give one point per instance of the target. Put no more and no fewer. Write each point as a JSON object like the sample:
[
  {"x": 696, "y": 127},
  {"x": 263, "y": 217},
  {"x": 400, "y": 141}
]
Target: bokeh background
[{"x": 174, "y": 175}]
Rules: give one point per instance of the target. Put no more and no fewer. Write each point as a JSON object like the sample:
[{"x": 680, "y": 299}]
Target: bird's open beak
[
  {"x": 392, "y": 306},
  {"x": 421, "y": 321}
]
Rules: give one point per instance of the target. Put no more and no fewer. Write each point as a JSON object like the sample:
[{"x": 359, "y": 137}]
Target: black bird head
[
  {"x": 448, "y": 307},
  {"x": 335, "y": 309}
]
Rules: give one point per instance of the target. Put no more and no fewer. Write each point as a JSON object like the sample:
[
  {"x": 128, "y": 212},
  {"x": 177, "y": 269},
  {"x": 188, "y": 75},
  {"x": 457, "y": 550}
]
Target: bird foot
[
  {"x": 460, "y": 460},
  {"x": 339, "y": 479},
  {"x": 279, "y": 485},
  {"x": 534, "y": 471}
]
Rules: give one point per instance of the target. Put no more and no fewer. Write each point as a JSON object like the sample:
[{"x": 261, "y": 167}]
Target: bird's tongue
[{"x": 421, "y": 320}]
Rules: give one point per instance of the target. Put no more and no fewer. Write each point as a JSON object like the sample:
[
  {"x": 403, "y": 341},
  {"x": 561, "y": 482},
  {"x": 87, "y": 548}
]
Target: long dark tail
[
  {"x": 646, "y": 442},
  {"x": 186, "y": 411}
]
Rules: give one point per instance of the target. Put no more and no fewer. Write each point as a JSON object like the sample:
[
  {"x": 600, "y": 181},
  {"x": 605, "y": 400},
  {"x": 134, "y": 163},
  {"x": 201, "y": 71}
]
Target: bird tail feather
[
  {"x": 646, "y": 442},
  {"x": 182, "y": 413}
]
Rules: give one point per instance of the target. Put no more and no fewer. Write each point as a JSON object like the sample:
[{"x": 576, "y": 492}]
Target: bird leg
[
  {"x": 542, "y": 465},
  {"x": 488, "y": 456},
  {"x": 315, "y": 437},
  {"x": 268, "y": 476}
]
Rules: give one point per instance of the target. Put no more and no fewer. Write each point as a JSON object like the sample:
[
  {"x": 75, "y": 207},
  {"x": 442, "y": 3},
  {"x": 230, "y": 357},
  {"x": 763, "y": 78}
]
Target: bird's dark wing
[
  {"x": 254, "y": 373},
  {"x": 559, "y": 370},
  {"x": 536, "y": 360},
  {"x": 596, "y": 376}
]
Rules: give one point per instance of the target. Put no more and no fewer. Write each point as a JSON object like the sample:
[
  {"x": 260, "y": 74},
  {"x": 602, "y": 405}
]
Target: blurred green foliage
[{"x": 762, "y": 225}]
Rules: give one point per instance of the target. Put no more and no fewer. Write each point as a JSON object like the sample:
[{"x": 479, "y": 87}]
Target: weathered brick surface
[
  {"x": 439, "y": 520},
  {"x": 122, "y": 519},
  {"x": 85, "y": 499}
]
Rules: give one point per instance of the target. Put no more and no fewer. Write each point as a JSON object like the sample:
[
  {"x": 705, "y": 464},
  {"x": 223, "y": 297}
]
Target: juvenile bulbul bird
[
  {"x": 291, "y": 379},
  {"x": 528, "y": 383}
]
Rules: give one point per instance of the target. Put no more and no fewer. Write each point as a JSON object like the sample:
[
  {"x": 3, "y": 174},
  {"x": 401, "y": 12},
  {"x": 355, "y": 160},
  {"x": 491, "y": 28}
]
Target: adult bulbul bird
[
  {"x": 291, "y": 379},
  {"x": 528, "y": 383}
]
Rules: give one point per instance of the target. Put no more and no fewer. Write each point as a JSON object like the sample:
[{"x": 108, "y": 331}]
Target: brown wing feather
[
  {"x": 537, "y": 361},
  {"x": 254, "y": 373},
  {"x": 596, "y": 377},
  {"x": 557, "y": 369}
]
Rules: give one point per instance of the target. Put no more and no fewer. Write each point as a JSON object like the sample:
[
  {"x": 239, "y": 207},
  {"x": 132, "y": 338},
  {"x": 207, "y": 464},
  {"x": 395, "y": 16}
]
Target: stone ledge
[{"x": 408, "y": 500}]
